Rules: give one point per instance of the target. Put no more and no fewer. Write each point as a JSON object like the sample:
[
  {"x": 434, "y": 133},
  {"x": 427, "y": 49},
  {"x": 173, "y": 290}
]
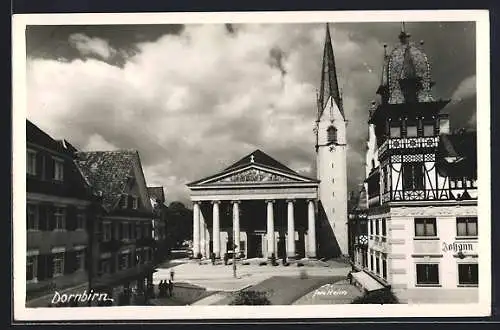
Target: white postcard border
[{"x": 135, "y": 313}]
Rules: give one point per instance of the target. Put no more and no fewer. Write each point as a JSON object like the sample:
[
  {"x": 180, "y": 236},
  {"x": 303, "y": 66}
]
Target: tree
[{"x": 179, "y": 223}]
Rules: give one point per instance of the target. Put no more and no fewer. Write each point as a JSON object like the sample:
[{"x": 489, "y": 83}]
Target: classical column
[
  {"x": 236, "y": 226},
  {"x": 290, "y": 251},
  {"x": 311, "y": 232},
  {"x": 270, "y": 229},
  {"x": 216, "y": 228},
  {"x": 196, "y": 229},
  {"x": 207, "y": 242},
  {"x": 202, "y": 234}
]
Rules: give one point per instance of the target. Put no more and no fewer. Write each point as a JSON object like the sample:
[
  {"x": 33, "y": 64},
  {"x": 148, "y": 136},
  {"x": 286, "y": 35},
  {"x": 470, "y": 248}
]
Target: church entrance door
[{"x": 255, "y": 245}]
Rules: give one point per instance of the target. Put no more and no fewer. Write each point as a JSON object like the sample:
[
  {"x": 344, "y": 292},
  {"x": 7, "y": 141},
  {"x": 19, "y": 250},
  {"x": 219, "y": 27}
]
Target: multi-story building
[
  {"x": 421, "y": 185},
  {"x": 157, "y": 198},
  {"x": 358, "y": 229},
  {"x": 123, "y": 248},
  {"x": 58, "y": 212}
]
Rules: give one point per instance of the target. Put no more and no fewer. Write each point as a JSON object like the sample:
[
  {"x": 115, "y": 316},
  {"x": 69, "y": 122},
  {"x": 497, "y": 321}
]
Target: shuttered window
[
  {"x": 59, "y": 218},
  {"x": 79, "y": 259},
  {"x": 32, "y": 217},
  {"x": 58, "y": 170},
  {"x": 31, "y": 268},
  {"x": 31, "y": 162},
  {"x": 58, "y": 264}
]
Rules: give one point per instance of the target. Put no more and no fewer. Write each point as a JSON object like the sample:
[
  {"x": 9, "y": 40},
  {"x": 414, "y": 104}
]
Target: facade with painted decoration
[{"x": 421, "y": 188}]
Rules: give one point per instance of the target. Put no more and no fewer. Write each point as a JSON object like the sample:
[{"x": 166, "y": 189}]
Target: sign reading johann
[{"x": 457, "y": 247}]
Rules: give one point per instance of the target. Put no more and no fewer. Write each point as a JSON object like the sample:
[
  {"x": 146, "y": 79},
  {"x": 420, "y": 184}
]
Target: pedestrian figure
[
  {"x": 172, "y": 273},
  {"x": 160, "y": 289},
  {"x": 164, "y": 287},
  {"x": 170, "y": 288}
]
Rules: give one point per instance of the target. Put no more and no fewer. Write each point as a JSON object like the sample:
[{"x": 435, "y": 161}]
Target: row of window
[
  {"x": 413, "y": 178},
  {"x": 465, "y": 226},
  {"x": 125, "y": 260},
  {"x": 129, "y": 202},
  {"x": 59, "y": 218},
  {"x": 462, "y": 183},
  {"x": 427, "y": 227},
  {"x": 34, "y": 168},
  {"x": 405, "y": 129},
  {"x": 428, "y": 274},
  {"x": 378, "y": 227},
  {"x": 378, "y": 265},
  {"x": 125, "y": 230},
  {"x": 57, "y": 265}
]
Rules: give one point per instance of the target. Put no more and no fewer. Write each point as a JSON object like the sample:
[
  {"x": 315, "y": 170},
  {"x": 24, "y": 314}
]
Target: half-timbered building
[{"x": 421, "y": 187}]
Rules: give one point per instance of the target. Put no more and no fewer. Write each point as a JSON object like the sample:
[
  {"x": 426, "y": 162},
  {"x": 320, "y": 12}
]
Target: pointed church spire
[{"x": 329, "y": 83}]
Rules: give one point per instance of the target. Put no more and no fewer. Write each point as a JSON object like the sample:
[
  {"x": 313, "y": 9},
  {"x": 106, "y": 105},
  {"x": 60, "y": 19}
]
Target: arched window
[{"x": 332, "y": 134}]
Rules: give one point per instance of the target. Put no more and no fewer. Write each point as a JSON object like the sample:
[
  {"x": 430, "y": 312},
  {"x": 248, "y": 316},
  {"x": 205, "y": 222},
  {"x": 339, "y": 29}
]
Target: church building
[
  {"x": 421, "y": 201},
  {"x": 259, "y": 207}
]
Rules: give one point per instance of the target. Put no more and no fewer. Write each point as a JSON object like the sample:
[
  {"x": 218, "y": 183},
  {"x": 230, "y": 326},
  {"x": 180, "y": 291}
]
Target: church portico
[{"x": 259, "y": 204}]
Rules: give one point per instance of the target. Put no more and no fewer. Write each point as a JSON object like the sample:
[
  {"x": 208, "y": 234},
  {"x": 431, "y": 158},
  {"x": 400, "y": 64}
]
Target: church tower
[{"x": 331, "y": 164}]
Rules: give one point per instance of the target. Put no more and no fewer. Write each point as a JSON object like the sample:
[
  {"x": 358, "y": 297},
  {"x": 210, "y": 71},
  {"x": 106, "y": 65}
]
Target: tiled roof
[
  {"x": 156, "y": 193},
  {"x": 108, "y": 172}
]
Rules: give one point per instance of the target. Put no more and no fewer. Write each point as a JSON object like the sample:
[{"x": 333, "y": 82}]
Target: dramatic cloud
[
  {"x": 91, "y": 46},
  {"x": 96, "y": 142},
  {"x": 466, "y": 89},
  {"x": 194, "y": 101}
]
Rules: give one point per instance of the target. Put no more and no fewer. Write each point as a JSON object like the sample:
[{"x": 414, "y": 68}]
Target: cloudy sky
[{"x": 193, "y": 99}]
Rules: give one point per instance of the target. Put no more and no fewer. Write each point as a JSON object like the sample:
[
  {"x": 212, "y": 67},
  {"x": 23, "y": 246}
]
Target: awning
[{"x": 366, "y": 281}]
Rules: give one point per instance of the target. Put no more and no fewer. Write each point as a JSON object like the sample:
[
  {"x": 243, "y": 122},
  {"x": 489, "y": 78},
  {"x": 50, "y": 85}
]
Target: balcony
[{"x": 393, "y": 145}]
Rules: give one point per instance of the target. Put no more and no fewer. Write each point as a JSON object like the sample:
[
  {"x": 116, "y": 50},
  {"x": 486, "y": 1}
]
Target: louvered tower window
[{"x": 332, "y": 134}]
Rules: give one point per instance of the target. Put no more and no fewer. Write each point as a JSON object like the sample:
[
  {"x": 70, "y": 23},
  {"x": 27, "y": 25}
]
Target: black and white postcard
[{"x": 251, "y": 165}]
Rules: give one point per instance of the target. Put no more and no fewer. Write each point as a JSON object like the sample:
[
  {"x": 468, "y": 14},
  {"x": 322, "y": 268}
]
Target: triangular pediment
[
  {"x": 255, "y": 174},
  {"x": 255, "y": 168}
]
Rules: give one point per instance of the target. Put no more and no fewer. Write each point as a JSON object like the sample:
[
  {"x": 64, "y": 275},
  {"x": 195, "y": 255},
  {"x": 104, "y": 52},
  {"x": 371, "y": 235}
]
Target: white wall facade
[
  {"x": 404, "y": 251},
  {"x": 331, "y": 165}
]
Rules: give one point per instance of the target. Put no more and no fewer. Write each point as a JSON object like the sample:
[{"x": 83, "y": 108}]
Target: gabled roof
[
  {"x": 36, "y": 136},
  {"x": 257, "y": 160},
  {"x": 108, "y": 172},
  {"x": 260, "y": 157},
  {"x": 156, "y": 193}
]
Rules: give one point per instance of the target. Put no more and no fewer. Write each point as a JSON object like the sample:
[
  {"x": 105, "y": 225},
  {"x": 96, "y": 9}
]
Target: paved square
[{"x": 220, "y": 277}]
